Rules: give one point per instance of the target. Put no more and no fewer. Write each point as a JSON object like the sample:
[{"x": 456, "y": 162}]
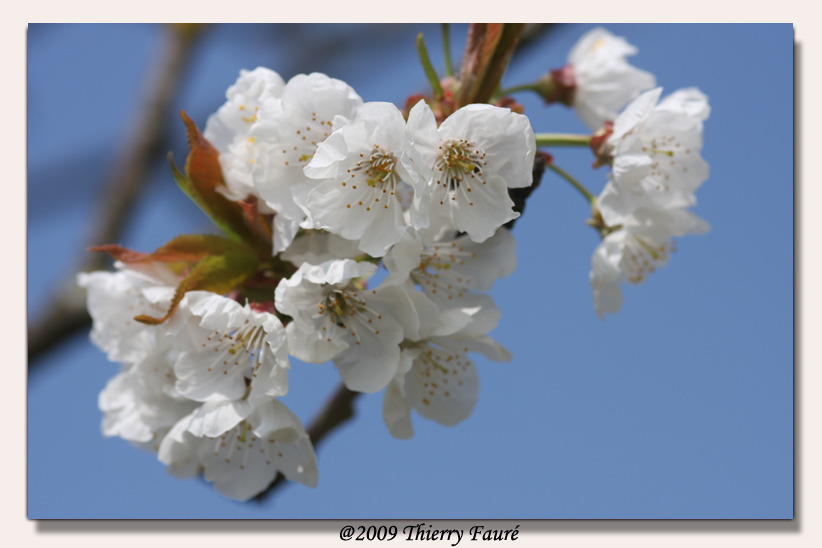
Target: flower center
[
  {"x": 235, "y": 346},
  {"x": 348, "y": 312},
  {"x": 436, "y": 367},
  {"x": 643, "y": 256},
  {"x": 239, "y": 445},
  {"x": 381, "y": 179},
  {"x": 437, "y": 260},
  {"x": 668, "y": 156},
  {"x": 459, "y": 159},
  {"x": 458, "y": 166},
  {"x": 339, "y": 305},
  {"x": 301, "y": 142},
  {"x": 378, "y": 169}
]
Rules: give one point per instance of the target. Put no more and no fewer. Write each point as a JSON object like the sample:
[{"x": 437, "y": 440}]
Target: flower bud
[
  {"x": 599, "y": 145},
  {"x": 558, "y": 86}
]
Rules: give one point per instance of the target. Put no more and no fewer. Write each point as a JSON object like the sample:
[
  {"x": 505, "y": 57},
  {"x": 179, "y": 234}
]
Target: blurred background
[{"x": 680, "y": 406}]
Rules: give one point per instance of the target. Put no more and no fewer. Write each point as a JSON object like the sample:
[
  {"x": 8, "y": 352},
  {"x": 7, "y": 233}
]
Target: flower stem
[
  {"x": 446, "y": 50},
  {"x": 430, "y": 73},
  {"x": 562, "y": 140},
  {"x": 533, "y": 86},
  {"x": 576, "y": 184}
]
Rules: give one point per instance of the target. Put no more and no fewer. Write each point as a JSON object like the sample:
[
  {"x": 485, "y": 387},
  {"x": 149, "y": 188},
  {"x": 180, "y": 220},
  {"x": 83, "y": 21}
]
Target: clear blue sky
[{"x": 680, "y": 406}]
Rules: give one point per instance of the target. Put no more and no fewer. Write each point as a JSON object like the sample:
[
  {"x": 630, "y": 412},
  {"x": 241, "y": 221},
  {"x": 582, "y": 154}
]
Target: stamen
[{"x": 458, "y": 164}]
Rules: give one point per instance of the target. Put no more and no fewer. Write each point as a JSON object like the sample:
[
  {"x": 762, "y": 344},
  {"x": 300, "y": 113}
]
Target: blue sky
[{"x": 680, "y": 406}]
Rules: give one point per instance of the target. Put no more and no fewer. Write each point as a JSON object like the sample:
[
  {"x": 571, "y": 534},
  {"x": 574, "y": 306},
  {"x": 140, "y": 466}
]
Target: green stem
[
  {"x": 533, "y": 86},
  {"x": 446, "y": 49},
  {"x": 576, "y": 184},
  {"x": 422, "y": 51},
  {"x": 562, "y": 140}
]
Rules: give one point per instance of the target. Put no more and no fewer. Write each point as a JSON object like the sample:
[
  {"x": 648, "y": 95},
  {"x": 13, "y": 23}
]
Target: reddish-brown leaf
[
  {"x": 202, "y": 179},
  {"x": 188, "y": 248}
]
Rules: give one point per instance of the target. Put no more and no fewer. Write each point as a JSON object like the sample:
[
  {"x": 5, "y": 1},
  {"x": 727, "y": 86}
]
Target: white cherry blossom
[
  {"x": 435, "y": 376},
  {"x": 604, "y": 81},
  {"x": 448, "y": 270},
  {"x": 226, "y": 349},
  {"x": 115, "y": 298},
  {"x": 245, "y": 457},
  {"x": 311, "y": 108},
  {"x": 136, "y": 410},
  {"x": 360, "y": 329},
  {"x": 656, "y": 153},
  {"x": 229, "y": 129},
  {"x": 359, "y": 169},
  {"x": 472, "y": 159},
  {"x": 634, "y": 249}
]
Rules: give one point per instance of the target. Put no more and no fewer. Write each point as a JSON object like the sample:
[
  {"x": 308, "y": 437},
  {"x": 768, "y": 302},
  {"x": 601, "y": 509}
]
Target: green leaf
[{"x": 217, "y": 273}]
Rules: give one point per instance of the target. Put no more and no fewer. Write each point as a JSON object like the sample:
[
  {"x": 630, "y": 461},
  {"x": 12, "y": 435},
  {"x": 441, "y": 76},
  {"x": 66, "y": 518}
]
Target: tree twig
[{"x": 66, "y": 312}]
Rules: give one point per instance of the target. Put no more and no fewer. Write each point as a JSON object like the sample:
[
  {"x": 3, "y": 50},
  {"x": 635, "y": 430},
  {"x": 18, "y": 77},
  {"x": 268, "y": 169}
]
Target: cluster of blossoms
[
  {"x": 654, "y": 151},
  {"x": 653, "y": 147},
  {"x": 345, "y": 185},
  {"x": 316, "y": 189}
]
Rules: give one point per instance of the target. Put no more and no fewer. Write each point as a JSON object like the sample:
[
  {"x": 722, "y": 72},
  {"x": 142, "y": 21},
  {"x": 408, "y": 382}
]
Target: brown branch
[
  {"x": 487, "y": 52},
  {"x": 337, "y": 411},
  {"x": 66, "y": 311}
]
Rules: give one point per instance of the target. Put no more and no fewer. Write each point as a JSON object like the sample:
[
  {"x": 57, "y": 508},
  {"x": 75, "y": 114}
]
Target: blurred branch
[
  {"x": 337, "y": 411},
  {"x": 66, "y": 311},
  {"x": 532, "y": 35}
]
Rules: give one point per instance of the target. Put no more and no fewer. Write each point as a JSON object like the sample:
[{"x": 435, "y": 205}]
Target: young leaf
[
  {"x": 217, "y": 273},
  {"x": 188, "y": 248},
  {"x": 203, "y": 176}
]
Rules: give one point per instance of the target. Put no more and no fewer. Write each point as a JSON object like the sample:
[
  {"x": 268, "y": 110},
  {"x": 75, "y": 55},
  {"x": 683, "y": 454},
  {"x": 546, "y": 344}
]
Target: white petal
[
  {"x": 403, "y": 257},
  {"x": 637, "y": 110},
  {"x": 284, "y": 232},
  {"x": 489, "y": 208},
  {"x": 250, "y": 90},
  {"x": 443, "y": 386},
  {"x": 396, "y": 409},
  {"x": 216, "y": 418},
  {"x": 422, "y": 126},
  {"x": 370, "y": 365},
  {"x": 317, "y": 246},
  {"x": 292, "y": 450},
  {"x": 114, "y": 299},
  {"x": 690, "y": 101},
  {"x": 120, "y": 405},
  {"x": 309, "y": 345}
]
